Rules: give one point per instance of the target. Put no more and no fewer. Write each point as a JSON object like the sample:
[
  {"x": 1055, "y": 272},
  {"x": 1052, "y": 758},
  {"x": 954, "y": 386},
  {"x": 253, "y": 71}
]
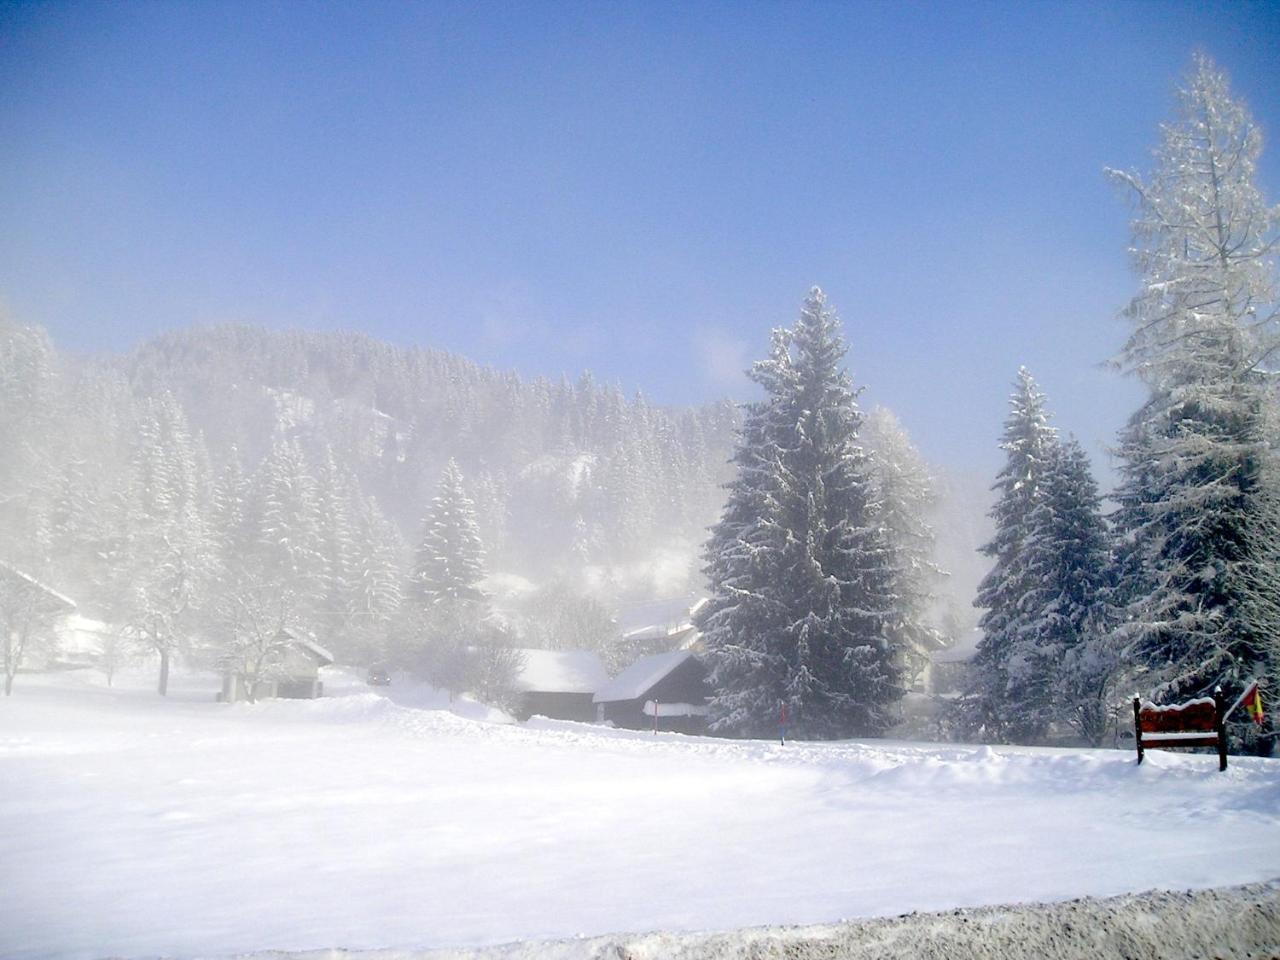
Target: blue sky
[{"x": 638, "y": 189}]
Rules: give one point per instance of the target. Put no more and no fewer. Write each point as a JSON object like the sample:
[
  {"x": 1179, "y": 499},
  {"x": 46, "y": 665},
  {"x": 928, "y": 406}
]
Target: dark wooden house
[
  {"x": 559, "y": 684},
  {"x": 663, "y": 691}
]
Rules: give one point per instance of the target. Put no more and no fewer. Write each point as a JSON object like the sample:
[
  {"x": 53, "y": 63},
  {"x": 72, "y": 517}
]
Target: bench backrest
[
  {"x": 1196, "y": 715},
  {"x": 1196, "y": 723}
]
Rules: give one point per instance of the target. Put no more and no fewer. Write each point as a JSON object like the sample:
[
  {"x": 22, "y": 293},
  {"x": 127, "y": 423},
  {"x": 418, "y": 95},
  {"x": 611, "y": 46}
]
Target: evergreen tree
[
  {"x": 449, "y": 563},
  {"x": 287, "y": 533},
  {"x": 169, "y": 546},
  {"x": 1198, "y": 505},
  {"x": 1066, "y": 557},
  {"x": 376, "y": 591},
  {"x": 798, "y": 565},
  {"x": 336, "y": 545},
  {"x": 1028, "y": 442},
  {"x": 447, "y": 608},
  {"x": 905, "y": 497}
]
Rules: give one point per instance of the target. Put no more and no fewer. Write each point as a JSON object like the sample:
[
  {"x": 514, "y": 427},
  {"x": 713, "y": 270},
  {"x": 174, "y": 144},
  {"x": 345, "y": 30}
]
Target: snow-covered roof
[
  {"x": 659, "y": 618},
  {"x": 17, "y": 574},
  {"x": 635, "y": 681},
  {"x": 317, "y": 651},
  {"x": 561, "y": 671},
  {"x": 310, "y": 646}
]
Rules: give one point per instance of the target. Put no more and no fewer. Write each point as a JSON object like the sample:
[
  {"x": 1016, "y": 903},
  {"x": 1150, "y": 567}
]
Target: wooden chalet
[
  {"x": 559, "y": 684},
  {"x": 663, "y": 691}
]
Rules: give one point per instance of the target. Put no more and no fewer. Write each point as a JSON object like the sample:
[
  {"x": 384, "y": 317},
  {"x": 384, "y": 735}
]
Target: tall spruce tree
[
  {"x": 1028, "y": 441},
  {"x": 905, "y": 496},
  {"x": 801, "y": 589},
  {"x": 447, "y": 608},
  {"x": 1198, "y": 505},
  {"x": 1066, "y": 556},
  {"x": 170, "y": 548},
  {"x": 449, "y": 563}
]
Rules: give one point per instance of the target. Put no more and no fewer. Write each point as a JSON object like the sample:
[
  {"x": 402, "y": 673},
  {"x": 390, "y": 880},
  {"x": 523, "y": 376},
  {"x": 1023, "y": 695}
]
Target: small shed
[
  {"x": 663, "y": 691},
  {"x": 949, "y": 667},
  {"x": 295, "y": 675},
  {"x": 559, "y": 684}
]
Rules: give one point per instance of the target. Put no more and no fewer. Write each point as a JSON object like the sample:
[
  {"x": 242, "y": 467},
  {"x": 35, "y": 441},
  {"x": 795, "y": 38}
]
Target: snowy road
[{"x": 135, "y": 827}]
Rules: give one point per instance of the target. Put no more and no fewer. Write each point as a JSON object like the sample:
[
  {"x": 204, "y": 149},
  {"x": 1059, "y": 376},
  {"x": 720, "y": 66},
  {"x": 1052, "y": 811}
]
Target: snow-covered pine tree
[
  {"x": 1066, "y": 556},
  {"x": 170, "y": 550},
  {"x": 449, "y": 563},
  {"x": 447, "y": 603},
  {"x": 905, "y": 497},
  {"x": 377, "y": 590},
  {"x": 1028, "y": 441},
  {"x": 336, "y": 543},
  {"x": 798, "y": 566},
  {"x": 287, "y": 547},
  {"x": 1198, "y": 508}
]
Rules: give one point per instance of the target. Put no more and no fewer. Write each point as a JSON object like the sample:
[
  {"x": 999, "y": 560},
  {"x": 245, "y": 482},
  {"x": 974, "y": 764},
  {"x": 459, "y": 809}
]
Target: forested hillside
[{"x": 564, "y": 475}]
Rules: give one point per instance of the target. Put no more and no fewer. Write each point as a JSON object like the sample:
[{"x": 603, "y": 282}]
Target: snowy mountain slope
[{"x": 140, "y": 827}]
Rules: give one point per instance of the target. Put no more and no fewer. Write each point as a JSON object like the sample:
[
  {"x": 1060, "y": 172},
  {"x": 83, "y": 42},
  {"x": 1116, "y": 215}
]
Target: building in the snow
[
  {"x": 296, "y": 675},
  {"x": 559, "y": 684},
  {"x": 661, "y": 625},
  {"x": 949, "y": 667},
  {"x": 663, "y": 691},
  {"x": 30, "y": 616},
  {"x": 81, "y": 640}
]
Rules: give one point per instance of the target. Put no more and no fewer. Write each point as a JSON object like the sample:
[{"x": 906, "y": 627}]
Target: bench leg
[{"x": 1137, "y": 728}]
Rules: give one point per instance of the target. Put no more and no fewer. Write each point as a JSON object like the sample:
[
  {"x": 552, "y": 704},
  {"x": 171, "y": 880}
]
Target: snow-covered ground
[{"x": 134, "y": 826}]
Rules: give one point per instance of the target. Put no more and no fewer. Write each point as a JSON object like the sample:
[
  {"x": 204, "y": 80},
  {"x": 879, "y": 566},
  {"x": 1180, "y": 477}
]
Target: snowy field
[{"x": 136, "y": 827}]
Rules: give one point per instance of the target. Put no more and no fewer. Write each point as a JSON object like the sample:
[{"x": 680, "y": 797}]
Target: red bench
[{"x": 1196, "y": 723}]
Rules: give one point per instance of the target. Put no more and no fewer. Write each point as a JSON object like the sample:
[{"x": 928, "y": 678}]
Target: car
[{"x": 379, "y": 676}]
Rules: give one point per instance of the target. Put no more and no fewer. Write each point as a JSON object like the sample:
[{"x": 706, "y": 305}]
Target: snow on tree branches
[
  {"x": 799, "y": 568},
  {"x": 1198, "y": 502}
]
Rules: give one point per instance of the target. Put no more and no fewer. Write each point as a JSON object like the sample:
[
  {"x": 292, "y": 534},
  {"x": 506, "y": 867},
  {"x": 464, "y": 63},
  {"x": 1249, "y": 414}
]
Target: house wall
[
  {"x": 289, "y": 688},
  {"x": 299, "y": 665},
  {"x": 558, "y": 706},
  {"x": 687, "y": 683}
]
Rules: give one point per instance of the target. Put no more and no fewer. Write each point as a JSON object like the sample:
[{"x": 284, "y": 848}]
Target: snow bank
[{"x": 1231, "y": 922}]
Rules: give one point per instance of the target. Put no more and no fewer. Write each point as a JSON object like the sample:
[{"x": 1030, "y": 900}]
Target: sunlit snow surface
[{"x": 134, "y": 826}]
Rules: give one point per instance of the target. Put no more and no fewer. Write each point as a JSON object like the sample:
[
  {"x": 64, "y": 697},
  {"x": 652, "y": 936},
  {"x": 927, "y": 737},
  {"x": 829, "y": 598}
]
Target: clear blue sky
[{"x": 642, "y": 189}]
